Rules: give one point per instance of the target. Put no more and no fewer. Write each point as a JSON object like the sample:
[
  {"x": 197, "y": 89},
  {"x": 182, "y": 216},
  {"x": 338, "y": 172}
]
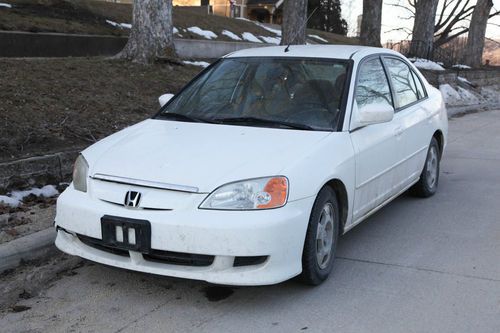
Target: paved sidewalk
[{"x": 418, "y": 265}]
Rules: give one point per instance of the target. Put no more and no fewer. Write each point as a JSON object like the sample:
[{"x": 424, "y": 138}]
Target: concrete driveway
[{"x": 416, "y": 266}]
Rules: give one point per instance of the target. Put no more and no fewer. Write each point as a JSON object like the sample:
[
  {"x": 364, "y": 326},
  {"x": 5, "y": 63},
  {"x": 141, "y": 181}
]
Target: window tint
[
  {"x": 420, "y": 87},
  {"x": 372, "y": 87},
  {"x": 402, "y": 81}
]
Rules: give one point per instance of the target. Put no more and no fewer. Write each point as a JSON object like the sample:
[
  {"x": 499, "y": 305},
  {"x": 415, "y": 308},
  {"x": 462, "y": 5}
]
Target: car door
[
  {"x": 411, "y": 113},
  {"x": 376, "y": 147}
]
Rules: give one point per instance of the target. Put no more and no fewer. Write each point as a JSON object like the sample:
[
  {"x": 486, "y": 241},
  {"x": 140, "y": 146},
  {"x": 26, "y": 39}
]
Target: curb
[
  {"x": 458, "y": 111},
  {"x": 31, "y": 247}
]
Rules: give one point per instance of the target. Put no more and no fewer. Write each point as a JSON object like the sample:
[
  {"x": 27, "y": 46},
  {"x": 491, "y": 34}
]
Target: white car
[{"x": 249, "y": 175}]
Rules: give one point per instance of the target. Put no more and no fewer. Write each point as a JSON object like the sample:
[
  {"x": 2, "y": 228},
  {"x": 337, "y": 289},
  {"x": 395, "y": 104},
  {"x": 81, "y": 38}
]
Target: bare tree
[
  {"x": 451, "y": 17},
  {"x": 371, "y": 22},
  {"x": 423, "y": 28},
  {"x": 294, "y": 22},
  {"x": 151, "y": 36},
  {"x": 477, "y": 31}
]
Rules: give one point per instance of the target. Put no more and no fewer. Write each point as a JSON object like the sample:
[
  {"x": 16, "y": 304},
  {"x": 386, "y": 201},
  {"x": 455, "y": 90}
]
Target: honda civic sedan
[{"x": 249, "y": 175}]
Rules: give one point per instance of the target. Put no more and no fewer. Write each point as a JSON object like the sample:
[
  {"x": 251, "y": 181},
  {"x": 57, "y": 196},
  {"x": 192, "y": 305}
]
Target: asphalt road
[{"x": 418, "y": 265}]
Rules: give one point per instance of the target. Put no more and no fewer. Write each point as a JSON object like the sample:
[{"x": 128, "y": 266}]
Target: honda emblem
[{"x": 132, "y": 199}]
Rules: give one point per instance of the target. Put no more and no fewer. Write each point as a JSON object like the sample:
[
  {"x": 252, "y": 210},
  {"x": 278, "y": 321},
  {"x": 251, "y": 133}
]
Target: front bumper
[{"x": 277, "y": 234}]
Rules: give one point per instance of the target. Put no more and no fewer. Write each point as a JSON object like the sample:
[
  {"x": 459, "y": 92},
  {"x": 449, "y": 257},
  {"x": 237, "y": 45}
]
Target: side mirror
[
  {"x": 371, "y": 114},
  {"x": 163, "y": 99}
]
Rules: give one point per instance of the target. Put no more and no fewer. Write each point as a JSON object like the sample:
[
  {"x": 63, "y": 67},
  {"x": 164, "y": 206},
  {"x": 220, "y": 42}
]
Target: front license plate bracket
[{"x": 126, "y": 233}]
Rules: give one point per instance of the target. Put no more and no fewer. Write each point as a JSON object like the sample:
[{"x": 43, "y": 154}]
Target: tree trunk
[
  {"x": 423, "y": 28},
  {"x": 371, "y": 23},
  {"x": 477, "y": 30},
  {"x": 151, "y": 36},
  {"x": 294, "y": 22}
]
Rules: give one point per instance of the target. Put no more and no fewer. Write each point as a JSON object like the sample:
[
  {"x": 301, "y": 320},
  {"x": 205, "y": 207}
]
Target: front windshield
[{"x": 301, "y": 93}]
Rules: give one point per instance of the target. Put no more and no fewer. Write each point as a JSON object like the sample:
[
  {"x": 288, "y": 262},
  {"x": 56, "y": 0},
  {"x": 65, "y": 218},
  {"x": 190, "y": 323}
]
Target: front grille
[
  {"x": 99, "y": 245},
  {"x": 249, "y": 261},
  {"x": 164, "y": 257},
  {"x": 179, "y": 258}
]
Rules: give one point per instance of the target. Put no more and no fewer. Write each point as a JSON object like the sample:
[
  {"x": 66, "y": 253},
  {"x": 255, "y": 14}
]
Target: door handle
[{"x": 398, "y": 131}]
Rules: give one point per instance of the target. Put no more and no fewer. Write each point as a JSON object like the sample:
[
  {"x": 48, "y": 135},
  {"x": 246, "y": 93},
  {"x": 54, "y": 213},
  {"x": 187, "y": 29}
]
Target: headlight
[
  {"x": 80, "y": 174},
  {"x": 258, "y": 193}
]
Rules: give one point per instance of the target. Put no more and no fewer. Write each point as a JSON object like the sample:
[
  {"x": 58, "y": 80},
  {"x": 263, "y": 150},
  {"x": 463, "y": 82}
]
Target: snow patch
[
  {"x": 464, "y": 80},
  {"x": 271, "y": 40},
  {"x": 6, "y": 5},
  {"x": 459, "y": 66},
  {"x": 15, "y": 198},
  {"x": 426, "y": 64},
  {"x": 265, "y": 27},
  {"x": 248, "y": 36},
  {"x": 318, "y": 38},
  {"x": 119, "y": 25},
  {"x": 231, "y": 35},
  {"x": 450, "y": 95},
  {"x": 175, "y": 30},
  {"x": 203, "y": 64},
  {"x": 204, "y": 33}
]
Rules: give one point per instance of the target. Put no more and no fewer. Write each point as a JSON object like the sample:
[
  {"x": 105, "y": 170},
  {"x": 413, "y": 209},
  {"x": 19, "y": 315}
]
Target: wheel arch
[
  {"x": 438, "y": 135},
  {"x": 343, "y": 200}
]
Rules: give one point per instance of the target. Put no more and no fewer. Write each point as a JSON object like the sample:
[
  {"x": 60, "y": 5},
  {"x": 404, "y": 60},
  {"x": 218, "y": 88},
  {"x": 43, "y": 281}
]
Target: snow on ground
[
  {"x": 318, "y": 38},
  {"x": 175, "y": 30},
  {"x": 458, "y": 97},
  {"x": 450, "y": 95},
  {"x": 263, "y": 26},
  {"x": 459, "y": 66},
  {"x": 3, "y": 4},
  {"x": 464, "y": 80},
  {"x": 250, "y": 37},
  {"x": 231, "y": 35},
  {"x": 271, "y": 40},
  {"x": 426, "y": 64},
  {"x": 15, "y": 198},
  {"x": 196, "y": 63},
  {"x": 204, "y": 33},
  {"x": 119, "y": 25}
]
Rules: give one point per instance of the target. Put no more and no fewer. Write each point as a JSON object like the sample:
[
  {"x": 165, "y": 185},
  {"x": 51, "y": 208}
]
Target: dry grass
[{"x": 89, "y": 17}]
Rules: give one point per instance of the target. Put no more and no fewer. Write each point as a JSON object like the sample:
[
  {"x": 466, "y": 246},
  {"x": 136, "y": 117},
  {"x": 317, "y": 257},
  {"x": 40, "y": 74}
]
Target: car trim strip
[{"x": 146, "y": 183}]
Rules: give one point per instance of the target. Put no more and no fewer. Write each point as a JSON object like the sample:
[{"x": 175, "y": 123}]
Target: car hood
[{"x": 199, "y": 155}]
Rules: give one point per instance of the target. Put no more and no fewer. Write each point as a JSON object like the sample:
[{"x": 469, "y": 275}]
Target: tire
[
  {"x": 317, "y": 263},
  {"x": 429, "y": 178}
]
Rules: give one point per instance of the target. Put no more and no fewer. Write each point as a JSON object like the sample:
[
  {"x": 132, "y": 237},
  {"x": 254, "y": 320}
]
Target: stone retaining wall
[
  {"x": 28, "y": 44},
  {"x": 37, "y": 171}
]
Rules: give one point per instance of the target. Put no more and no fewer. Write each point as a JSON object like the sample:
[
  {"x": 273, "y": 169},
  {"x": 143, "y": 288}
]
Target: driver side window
[{"x": 372, "y": 87}]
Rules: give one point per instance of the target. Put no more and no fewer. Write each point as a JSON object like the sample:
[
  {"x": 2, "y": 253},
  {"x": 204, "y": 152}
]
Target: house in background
[{"x": 266, "y": 11}]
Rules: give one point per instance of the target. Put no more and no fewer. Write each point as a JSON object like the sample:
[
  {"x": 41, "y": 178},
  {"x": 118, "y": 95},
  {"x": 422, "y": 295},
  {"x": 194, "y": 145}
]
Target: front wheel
[
  {"x": 321, "y": 238},
  {"x": 428, "y": 182}
]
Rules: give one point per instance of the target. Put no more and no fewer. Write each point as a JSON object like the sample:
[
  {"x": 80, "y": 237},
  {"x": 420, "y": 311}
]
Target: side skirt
[{"x": 374, "y": 210}]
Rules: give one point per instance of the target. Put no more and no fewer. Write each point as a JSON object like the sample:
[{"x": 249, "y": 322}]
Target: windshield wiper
[
  {"x": 182, "y": 117},
  {"x": 261, "y": 121}
]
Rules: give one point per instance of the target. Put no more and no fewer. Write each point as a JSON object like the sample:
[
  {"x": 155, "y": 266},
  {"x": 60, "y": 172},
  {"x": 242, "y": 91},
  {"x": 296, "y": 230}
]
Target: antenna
[{"x": 304, "y": 26}]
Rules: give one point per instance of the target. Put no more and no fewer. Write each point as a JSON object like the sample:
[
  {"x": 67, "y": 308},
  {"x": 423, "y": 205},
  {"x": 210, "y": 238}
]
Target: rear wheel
[
  {"x": 321, "y": 238},
  {"x": 428, "y": 182}
]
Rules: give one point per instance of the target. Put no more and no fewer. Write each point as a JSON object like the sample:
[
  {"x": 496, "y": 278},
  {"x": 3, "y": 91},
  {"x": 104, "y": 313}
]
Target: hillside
[{"x": 98, "y": 17}]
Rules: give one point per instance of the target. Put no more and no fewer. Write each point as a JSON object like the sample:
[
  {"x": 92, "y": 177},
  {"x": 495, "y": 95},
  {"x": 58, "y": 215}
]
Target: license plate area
[{"x": 126, "y": 233}]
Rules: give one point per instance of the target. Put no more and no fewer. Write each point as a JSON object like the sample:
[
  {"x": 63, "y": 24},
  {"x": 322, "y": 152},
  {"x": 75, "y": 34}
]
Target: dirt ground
[
  {"x": 33, "y": 215},
  {"x": 51, "y": 105}
]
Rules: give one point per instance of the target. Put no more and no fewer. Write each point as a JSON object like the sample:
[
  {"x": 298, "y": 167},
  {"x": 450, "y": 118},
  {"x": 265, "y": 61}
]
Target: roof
[{"x": 314, "y": 51}]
